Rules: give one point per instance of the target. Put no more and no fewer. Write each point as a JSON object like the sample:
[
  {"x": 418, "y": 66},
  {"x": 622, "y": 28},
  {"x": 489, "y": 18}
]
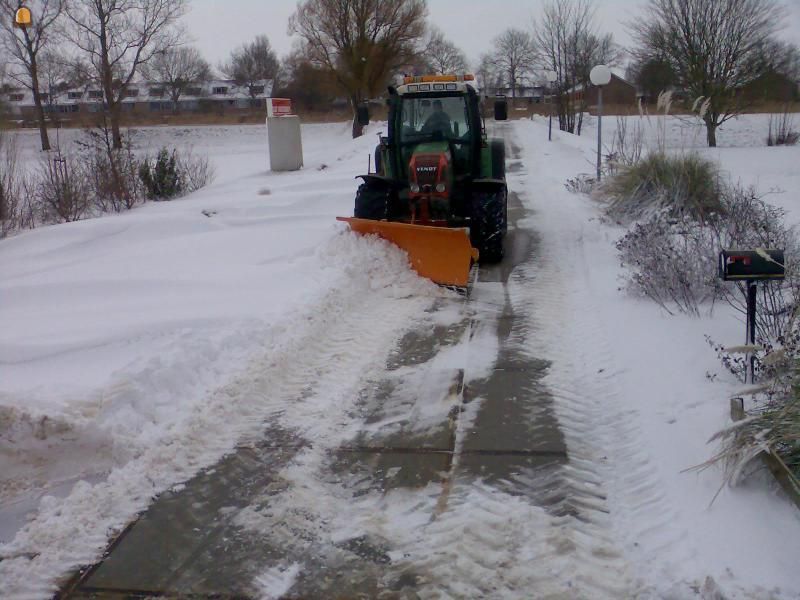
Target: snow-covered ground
[
  {"x": 658, "y": 408},
  {"x": 128, "y": 347}
]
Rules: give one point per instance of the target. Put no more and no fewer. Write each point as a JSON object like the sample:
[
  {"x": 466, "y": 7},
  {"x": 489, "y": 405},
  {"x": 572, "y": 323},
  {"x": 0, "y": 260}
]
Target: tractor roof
[
  {"x": 426, "y": 84},
  {"x": 433, "y": 88}
]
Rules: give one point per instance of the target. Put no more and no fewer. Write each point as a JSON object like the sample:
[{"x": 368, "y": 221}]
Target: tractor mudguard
[
  {"x": 488, "y": 185},
  {"x": 379, "y": 180}
]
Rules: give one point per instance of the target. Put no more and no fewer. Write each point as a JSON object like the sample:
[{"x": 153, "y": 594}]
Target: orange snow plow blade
[{"x": 442, "y": 254}]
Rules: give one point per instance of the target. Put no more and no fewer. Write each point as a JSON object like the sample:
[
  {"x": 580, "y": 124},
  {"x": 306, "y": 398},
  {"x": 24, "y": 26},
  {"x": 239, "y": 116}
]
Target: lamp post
[
  {"x": 600, "y": 76},
  {"x": 551, "y": 78}
]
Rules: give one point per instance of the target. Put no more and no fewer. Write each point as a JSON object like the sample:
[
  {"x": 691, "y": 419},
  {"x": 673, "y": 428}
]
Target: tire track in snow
[
  {"x": 613, "y": 480},
  {"x": 542, "y": 531}
]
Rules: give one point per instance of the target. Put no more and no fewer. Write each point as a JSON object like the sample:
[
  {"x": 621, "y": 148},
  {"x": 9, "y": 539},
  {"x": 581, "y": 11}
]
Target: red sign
[{"x": 279, "y": 107}]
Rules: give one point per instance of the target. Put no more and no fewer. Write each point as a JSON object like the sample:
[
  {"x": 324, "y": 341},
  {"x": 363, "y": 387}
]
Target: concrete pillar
[{"x": 285, "y": 145}]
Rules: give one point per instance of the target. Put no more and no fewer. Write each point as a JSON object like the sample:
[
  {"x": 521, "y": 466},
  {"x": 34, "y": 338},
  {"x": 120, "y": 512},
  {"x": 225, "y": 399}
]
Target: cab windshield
[{"x": 429, "y": 119}]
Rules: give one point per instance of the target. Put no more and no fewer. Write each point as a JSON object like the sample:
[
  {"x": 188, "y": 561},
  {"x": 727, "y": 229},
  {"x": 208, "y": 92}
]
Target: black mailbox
[
  {"x": 500, "y": 108},
  {"x": 752, "y": 265}
]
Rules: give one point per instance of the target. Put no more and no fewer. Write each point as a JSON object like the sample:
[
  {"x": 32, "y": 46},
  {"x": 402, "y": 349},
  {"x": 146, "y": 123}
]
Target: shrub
[
  {"x": 18, "y": 209},
  {"x": 580, "y": 184},
  {"x": 678, "y": 184},
  {"x": 672, "y": 259},
  {"x": 781, "y": 130},
  {"x": 112, "y": 173},
  {"x": 9, "y": 185},
  {"x": 173, "y": 174},
  {"x": 161, "y": 180},
  {"x": 197, "y": 172},
  {"x": 61, "y": 189}
]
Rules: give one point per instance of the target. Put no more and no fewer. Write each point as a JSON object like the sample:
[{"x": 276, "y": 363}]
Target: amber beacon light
[{"x": 22, "y": 18}]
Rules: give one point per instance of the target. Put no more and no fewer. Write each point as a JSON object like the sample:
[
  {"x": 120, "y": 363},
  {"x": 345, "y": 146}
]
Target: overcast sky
[{"x": 218, "y": 26}]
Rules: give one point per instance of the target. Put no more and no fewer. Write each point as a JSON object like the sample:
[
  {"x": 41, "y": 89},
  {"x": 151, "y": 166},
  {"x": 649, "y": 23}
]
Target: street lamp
[
  {"x": 600, "y": 76},
  {"x": 551, "y": 79}
]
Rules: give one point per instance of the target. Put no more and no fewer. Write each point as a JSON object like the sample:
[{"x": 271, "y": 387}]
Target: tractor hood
[{"x": 429, "y": 169}]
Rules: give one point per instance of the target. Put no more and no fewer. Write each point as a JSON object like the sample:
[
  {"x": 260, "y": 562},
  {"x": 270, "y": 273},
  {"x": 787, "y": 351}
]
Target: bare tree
[
  {"x": 514, "y": 56},
  {"x": 778, "y": 66},
  {"x": 778, "y": 56},
  {"x": 24, "y": 45},
  {"x": 308, "y": 85},
  {"x": 489, "y": 77},
  {"x": 59, "y": 72},
  {"x": 568, "y": 44},
  {"x": 252, "y": 64},
  {"x": 441, "y": 55},
  {"x": 118, "y": 37},
  {"x": 4, "y": 87},
  {"x": 176, "y": 69},
  {"x": 51, "y": 69},
  {"x": 652, "y": 75},
  {"x": 712, "y": 46},
  {"x": 360, "y": 42}
]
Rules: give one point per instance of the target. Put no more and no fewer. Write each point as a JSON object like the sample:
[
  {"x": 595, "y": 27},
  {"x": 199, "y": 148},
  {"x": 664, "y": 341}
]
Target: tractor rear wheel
[
  {"x": 488, "y": 227},
  {"x": 371, "y": 202}
]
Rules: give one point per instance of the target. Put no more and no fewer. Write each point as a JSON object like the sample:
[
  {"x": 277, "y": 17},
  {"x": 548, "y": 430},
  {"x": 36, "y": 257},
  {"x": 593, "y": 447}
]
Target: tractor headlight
[
  {"x": 415, "y": 188},
  {"x": 440, "y": 187}
]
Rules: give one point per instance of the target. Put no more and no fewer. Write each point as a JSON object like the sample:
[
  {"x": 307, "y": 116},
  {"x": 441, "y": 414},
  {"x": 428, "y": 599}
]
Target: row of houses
[
  {"x": 618, "y": 91},
  {"x": 770, "y": 87},
  {"x": 218, "y": 95}
]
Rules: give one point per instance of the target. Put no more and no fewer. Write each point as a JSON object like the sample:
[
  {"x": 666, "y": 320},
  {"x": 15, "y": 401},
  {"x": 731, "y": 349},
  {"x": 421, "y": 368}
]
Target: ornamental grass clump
[
  {"x": 773, "y": 425},
  {"x": 680, "y": 185}
]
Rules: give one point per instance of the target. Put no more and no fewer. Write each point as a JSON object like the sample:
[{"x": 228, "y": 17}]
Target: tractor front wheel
[
  {"x": 371, "y": 202},
  {"x": 488, "y": 227}
]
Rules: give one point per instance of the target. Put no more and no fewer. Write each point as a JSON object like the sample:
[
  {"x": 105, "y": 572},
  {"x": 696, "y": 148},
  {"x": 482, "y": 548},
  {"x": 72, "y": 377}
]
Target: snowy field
[{"x": 128, "y": 347}]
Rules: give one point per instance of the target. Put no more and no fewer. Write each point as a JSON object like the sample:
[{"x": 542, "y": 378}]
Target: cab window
[{"x": 433, "y": 118}]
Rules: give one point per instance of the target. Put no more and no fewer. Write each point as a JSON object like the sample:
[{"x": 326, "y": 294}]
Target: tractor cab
[
  {"x": 433, "y": 147},
  {"x": 444, "y": 113}
]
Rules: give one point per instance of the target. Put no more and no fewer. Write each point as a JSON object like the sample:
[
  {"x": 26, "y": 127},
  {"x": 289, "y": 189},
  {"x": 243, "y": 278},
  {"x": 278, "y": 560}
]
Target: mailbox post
[
  {"x": 600, "y": 75},
  {"x": 751, "y": 266}
]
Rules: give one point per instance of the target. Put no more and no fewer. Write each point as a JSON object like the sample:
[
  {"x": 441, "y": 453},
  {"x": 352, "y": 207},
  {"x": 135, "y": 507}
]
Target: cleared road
[{"x": 452, "y": 477}]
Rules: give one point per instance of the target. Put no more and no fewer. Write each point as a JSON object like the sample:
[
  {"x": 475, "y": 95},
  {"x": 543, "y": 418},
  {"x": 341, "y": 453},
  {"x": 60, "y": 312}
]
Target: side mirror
[
  {"x": 362, "y": 115},
  {"x": 500, "y": 110}
]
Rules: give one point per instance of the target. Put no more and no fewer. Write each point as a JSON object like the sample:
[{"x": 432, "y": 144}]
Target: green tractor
[{"x": 439, "y": 187}]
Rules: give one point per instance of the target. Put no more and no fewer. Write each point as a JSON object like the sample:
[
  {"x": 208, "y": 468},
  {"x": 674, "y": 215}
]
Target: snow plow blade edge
[{"x": 442, "y": 254}]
